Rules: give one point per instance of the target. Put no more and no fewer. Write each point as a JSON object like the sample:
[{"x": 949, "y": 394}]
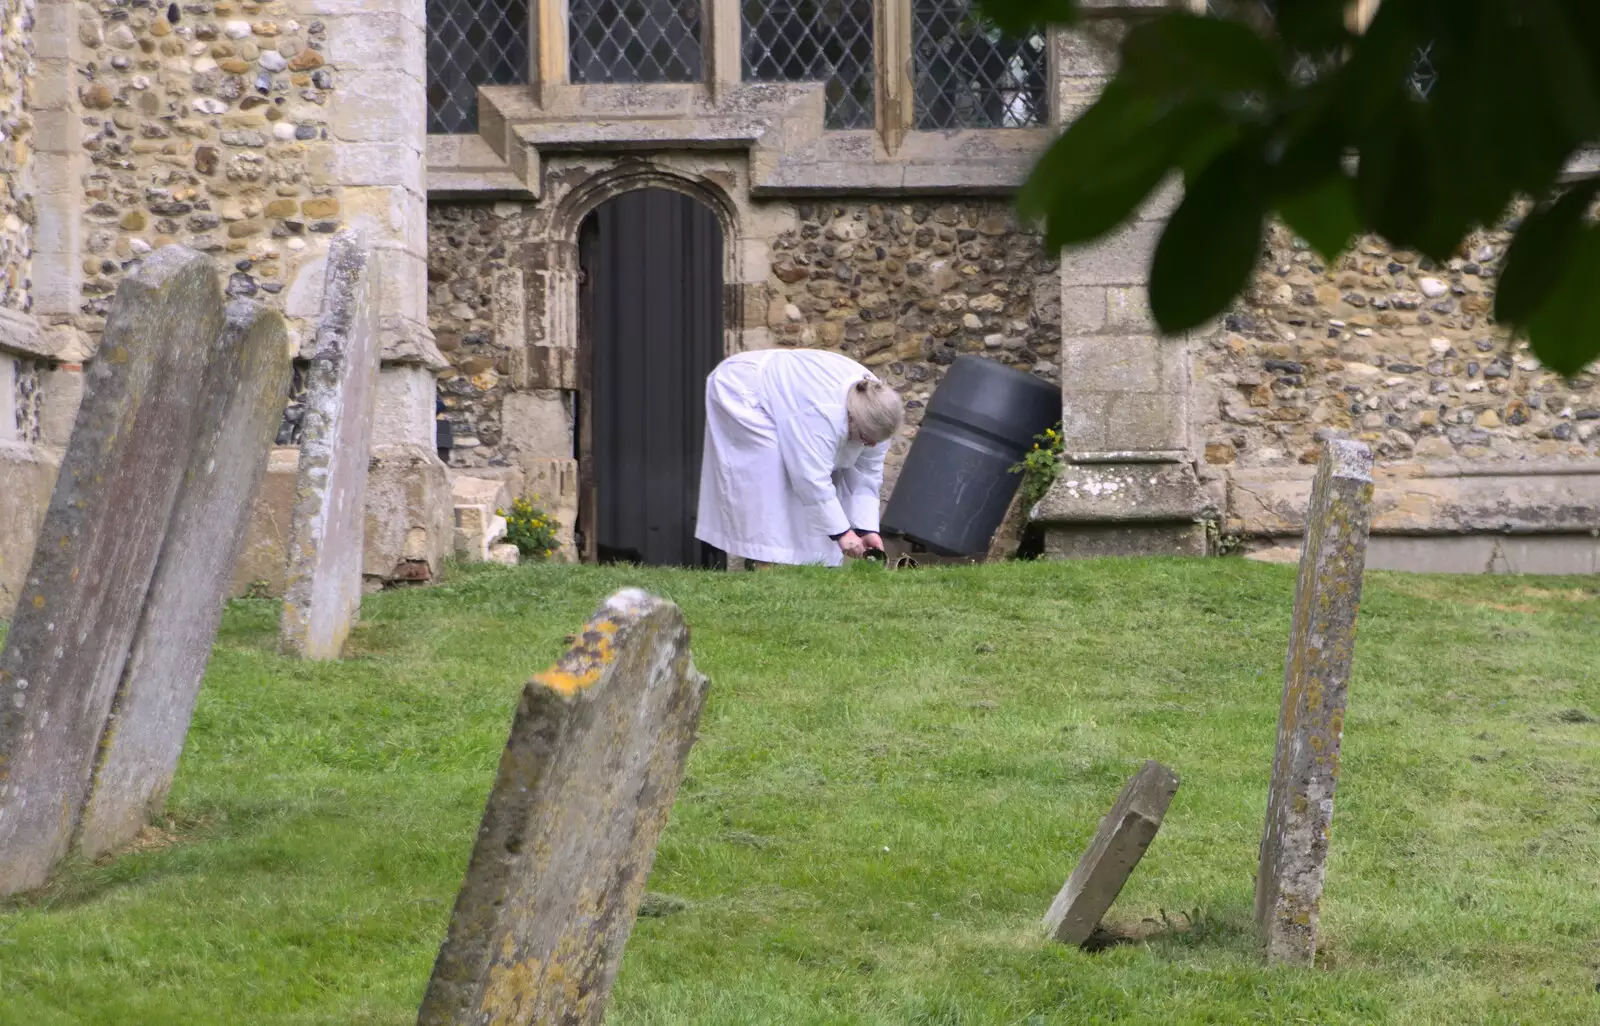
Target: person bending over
[{"x": 793, "y": 464}]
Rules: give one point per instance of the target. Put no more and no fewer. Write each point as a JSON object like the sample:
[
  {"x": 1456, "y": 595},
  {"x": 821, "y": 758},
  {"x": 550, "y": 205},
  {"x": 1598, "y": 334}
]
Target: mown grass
[{"x": 894, "y": 775}]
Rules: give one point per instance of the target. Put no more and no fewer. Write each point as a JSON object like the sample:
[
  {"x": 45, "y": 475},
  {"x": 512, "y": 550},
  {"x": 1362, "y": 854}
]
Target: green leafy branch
[{"x": 1515, "y": 98}]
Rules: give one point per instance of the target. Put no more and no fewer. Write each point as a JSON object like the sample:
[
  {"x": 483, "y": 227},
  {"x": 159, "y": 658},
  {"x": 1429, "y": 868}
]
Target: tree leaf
[
  {"x": 1106, "y": 164},
  {"x": 1100, "y": 169},
  {"x": 1212, "y": 242},
  {"x": 1562, "y": 332},
  {"x": 1570, "y": 77},
  {"x": 1312, "y": 26},
  {"x": 1183, "y": 56},
  {"x": 1543, "y": 246},
  {"x": 1324, "y": 215}
]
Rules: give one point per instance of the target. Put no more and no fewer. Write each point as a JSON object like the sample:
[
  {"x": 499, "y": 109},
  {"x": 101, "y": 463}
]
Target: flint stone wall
[
  {"x": 204, "y": 124},
  {"x": 1389, "y": 348},
  {"x": 17, "y": 216},
  {"x": 903, "y": 287}
]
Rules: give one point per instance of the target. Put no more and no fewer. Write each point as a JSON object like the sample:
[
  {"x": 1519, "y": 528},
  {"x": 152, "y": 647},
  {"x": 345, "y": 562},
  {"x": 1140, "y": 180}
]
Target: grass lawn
[{"x": 895, "y": 773}]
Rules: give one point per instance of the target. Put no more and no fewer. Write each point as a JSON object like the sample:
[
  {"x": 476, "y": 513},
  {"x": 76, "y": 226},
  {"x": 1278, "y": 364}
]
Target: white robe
[{"x": 781, "y": 474}]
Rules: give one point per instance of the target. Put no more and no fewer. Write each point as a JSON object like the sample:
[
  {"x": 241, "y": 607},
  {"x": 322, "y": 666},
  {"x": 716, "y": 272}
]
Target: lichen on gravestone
[
  {"x": 582, "y": 794},
  {"x": 322, "y": 588},
  {"x": 241, "y": 402},
  {"x": 97, "y": 551},
  {"x": 1305, "y": 767}
]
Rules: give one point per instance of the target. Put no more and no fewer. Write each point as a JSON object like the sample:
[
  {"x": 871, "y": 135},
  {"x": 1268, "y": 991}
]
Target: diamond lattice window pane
[
  {"x": 969, "y": 74},
  {"x": 815, "y": 41},
  {"x": 1423, "y": 74},
  {"x": 634, "y": 40},
  {"x": 472, "y": 43}
]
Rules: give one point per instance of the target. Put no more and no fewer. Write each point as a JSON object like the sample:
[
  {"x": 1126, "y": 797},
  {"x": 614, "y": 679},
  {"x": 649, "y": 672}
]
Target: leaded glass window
[
  {"x": 631, "y": 41},
  {"x": 969, "y": 74},
  {"x": 472, "y": 43},
  {"x": 815, "y": 41}
]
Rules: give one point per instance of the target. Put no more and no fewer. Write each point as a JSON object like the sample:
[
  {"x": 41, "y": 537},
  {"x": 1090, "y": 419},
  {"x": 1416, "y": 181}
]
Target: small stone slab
[
  {"x": 322, "y": 586},
  {"x": 585, "y": 784},
  {"x": 97, "y": 550},
  {"x": 242, "y": 404},
  {"x": 1118, "y": 845},
  {"x": 1305, "y": 766}
]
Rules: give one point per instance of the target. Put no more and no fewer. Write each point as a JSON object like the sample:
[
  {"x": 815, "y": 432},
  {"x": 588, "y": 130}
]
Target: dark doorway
[{"x": 650, "y": 330}]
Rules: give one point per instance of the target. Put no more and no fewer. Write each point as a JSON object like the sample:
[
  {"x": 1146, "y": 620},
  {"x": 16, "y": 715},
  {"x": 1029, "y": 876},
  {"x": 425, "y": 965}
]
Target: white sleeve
[
  {"x": 859, "y": 487},
  {"x": 807, "y": 443}
]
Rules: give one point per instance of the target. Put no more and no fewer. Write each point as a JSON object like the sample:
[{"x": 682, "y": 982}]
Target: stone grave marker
[
  {"x": 241, "y": 406},
  {"x": 1118, "y": 845},
  {"x": 322, "y": 586},
  {"x": 1305, "y": 766},
  {"x": 587, "y": 778},
  {"x": 96, "y": 552}
]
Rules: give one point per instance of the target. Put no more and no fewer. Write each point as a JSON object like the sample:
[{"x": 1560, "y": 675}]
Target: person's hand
[
  {"x": 851, "y": 545},
  {"x": 872, "y": 541}
]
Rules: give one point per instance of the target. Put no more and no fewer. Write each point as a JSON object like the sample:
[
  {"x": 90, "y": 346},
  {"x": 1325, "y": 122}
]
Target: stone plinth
[
  {"x": 478, "y": 523},
  {"x": 1124, "y": 504}
]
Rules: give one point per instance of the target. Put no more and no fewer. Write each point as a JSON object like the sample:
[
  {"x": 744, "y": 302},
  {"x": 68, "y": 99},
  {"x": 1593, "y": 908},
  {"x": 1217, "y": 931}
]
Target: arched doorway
[{"x": 650, "y": 330}]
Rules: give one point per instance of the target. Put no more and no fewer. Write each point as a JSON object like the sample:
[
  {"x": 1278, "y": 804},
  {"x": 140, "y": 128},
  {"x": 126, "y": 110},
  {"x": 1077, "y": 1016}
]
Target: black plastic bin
[{"x": 957, "y": 482}]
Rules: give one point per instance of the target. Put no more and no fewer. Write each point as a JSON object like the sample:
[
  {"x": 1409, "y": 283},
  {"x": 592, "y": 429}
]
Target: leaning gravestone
[
  {"x": 97, "y": 550},
  {"x": 1305, "y": 767},
  {"x": 322, "y": 584},
  {"x": 1118, "y": 845},
  {"x": 241, "y": 407},
  {"x": 585, "y": 784}
]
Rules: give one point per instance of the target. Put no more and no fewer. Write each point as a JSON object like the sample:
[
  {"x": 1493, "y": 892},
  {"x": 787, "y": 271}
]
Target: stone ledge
[
  {"x": 466, "y": 167},
  {"x": 409, "y": 343},
  {"x": 19, "y": 333},
  {"x": 22, "y": 333},
  {"x": 1550, "y": 555},
  {"x": 1123, "y": 493},
  {"x": 779, "y": 124},
  {"x": 1116, "y": 541},
  {"x": 1439, "y": 499}
]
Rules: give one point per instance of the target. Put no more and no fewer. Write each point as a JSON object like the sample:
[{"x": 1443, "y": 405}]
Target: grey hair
[{"x": 874, "y": 409}]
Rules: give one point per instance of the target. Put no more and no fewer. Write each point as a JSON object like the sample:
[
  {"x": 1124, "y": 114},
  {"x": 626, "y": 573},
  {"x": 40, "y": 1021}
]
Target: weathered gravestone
[
  {"x": 582, "y": 795},
  {"x": 96, "y": 553},
  {"x": 322, "y": 584},
  {"x": 1305, "y": 766},
  {"x": 1118, "y": 845},
  {"x": 241, "y": 406}
]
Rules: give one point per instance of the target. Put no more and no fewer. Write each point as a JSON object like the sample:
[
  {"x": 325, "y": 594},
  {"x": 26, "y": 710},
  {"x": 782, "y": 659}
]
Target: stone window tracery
[
  {"x": 968, "y": 74},
  {"x": 634, "y": 41},
  {"x": 827, "y": 41},
  {"x": 472, "y": 43}
]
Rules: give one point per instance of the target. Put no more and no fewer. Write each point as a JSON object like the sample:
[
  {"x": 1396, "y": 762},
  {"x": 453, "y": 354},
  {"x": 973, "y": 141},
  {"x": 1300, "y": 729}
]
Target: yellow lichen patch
[
  {"x": 38, "y": 602},
  {"x": 582, "y": 665},
  {"x": 508, "y": 998}
]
